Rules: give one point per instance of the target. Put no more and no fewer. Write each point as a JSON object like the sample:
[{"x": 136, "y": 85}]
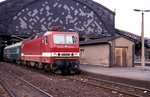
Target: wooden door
[{"x": 121, "y": 57}]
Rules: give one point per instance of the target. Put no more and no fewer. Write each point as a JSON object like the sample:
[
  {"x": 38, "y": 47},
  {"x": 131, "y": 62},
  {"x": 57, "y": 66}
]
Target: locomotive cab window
[
  {"x": 59, "y": 39},
  {"x": 65, "y": 39},
  {"x": 71, "y": 39}
]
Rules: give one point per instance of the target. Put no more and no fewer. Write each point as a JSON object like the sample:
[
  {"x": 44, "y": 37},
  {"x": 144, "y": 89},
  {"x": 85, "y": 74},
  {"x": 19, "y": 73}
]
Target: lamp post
[{"x": 142, "y": 37}]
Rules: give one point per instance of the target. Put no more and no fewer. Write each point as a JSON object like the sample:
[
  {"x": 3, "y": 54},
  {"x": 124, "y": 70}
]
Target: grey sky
[{"x": 126, "y": 18}]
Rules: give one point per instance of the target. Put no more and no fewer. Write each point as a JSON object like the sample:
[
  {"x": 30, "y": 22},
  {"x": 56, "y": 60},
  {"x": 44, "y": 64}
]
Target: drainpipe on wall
[
  {"x": 133, "y": 54},
  {"x": 110, "y": 54}
]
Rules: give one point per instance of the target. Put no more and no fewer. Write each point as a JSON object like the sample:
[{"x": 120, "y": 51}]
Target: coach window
[{"x": 46, "y": 40}]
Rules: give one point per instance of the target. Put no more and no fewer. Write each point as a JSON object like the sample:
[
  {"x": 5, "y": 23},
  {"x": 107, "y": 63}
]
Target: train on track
[{"x": 52, "y": 50}]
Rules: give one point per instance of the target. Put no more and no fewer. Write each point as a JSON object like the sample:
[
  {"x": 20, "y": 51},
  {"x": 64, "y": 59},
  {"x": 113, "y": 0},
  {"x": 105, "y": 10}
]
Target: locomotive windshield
[{"x": 65, "y": 39}]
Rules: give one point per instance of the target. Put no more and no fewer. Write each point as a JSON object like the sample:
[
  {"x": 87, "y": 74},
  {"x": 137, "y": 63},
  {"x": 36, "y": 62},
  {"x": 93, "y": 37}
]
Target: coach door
[{"x": 121, "y": 57}]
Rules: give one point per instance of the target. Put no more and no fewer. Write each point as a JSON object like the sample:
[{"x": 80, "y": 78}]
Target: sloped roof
[
  {"x": 133, "y": 36},
  {"x": 10, "y": 8},
  {"x": 101, "y": 40}
]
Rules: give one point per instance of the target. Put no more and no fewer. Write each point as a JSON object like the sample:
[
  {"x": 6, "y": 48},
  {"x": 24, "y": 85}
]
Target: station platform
[{"x": 127, "y": 75}]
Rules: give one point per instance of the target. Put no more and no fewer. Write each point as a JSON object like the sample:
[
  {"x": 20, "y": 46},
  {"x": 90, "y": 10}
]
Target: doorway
[{"x": 121, "y": 57}]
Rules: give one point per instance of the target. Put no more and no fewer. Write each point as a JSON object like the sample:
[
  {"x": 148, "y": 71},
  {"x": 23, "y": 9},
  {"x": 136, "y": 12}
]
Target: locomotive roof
[
  {"x": 13, "y": 45},
  {"x": 51, "y": 32}
]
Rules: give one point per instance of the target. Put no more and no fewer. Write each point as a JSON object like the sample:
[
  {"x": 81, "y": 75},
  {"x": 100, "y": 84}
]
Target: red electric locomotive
[{"x": 53, "y": 51}]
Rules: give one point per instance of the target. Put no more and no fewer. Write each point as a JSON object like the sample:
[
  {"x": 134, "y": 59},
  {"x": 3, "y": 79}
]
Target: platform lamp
[{"x": 142, "y": 37}]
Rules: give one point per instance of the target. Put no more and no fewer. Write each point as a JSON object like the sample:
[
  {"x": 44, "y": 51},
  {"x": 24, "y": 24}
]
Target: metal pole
[
  {"x": 142, "y": 38},
  {"x": 142, "y": 49}
]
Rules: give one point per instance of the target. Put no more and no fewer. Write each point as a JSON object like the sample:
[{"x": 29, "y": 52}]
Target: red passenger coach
[{"x": 52, "y": 50}]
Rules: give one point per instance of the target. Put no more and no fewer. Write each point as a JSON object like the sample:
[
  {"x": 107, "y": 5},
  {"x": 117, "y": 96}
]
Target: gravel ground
[
  {"x": 3, "y": 92},
  {"x": 56, "y": 85}
]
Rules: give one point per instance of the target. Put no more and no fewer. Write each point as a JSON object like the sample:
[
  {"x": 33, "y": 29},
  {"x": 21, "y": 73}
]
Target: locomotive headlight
[
  {"x": 54, "y": 54},
  {"x": 76, "y": 54},
  {"x": 22, "y": 54},
  {"x": 58, "y": 54},
  {"x": 72, "y": 54}
]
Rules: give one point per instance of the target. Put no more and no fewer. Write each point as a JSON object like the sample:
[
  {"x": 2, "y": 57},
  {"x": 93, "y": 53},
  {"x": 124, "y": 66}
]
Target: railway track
[
  {"x": 123, "y": 89},
  {"x": 115, "y": 89},
  {"x": 21, "y": 88},
  {"x": 8, "y": 92}
]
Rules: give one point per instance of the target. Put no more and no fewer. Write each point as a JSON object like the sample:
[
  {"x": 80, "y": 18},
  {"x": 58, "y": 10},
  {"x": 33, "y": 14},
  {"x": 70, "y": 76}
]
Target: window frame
[{"x": 65, "y": 39}]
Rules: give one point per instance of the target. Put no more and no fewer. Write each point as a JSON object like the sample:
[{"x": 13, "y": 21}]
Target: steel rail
[
  {"x": 49, "y": 95},
  {"x": 111, "y": 82},
  {"x": 11, "y": 93},
  {"x": 108, "y": 88}
]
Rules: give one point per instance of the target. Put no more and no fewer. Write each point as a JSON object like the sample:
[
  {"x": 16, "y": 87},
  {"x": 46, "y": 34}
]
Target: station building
[{"x": 108, "y": 52}]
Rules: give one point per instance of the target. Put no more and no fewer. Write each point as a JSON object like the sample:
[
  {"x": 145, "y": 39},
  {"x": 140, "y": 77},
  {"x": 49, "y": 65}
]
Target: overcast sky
[{"x": 127, "y": 19}]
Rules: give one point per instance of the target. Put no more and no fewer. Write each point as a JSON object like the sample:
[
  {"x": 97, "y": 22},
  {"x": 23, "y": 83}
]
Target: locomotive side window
[
  {"x": 65, "y": 39},
  {"x": 46, "y": 40}
]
